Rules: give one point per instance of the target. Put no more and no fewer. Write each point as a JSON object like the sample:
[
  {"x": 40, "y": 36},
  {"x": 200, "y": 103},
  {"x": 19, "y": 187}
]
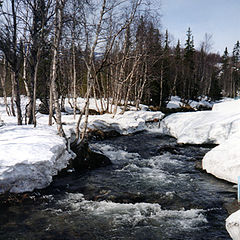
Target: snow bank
[
  {"x": 29, "y": 157},
  {"x": 203, "y": 127},
  {"x": 229, "y": 106},
  {"x": 127, "y": 123},
  {"x": 219, "y": 126},
  {"x": 233, "y": 225},
  {"x": 223, "y": 161},
  {"x": 176, "y": 102}
]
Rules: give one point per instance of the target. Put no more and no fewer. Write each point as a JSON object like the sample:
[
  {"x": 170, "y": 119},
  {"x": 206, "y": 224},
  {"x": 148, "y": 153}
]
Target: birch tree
[
  {"x": 3, "y": 83},
  {"x": 9, "y": 45},
  {"x": 107, "y": 11},
  {"x": 54, "y": 98}
]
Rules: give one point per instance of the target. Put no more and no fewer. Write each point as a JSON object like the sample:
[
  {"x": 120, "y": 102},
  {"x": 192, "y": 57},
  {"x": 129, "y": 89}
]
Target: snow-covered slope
[
  {"x": 29, "y": 157},
  {"x": 233, "y": 225}
]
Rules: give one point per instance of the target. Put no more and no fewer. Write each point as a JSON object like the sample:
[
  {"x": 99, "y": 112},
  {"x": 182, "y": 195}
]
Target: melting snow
[
  {"x": 233, "y": 225},
  {"x": 30, "y": 157}
]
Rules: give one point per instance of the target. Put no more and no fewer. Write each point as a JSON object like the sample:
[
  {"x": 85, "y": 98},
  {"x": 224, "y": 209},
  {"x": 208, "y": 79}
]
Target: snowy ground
[
  {"x": 31, "y": 156},
  {"x": 202, "y": 127},
  {"x": 176, "y": 102}
]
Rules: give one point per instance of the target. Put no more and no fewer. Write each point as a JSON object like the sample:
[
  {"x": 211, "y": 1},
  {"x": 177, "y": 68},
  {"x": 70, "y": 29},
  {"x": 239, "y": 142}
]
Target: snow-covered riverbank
[
  {"x": 30, "y": 157},
  {"x": 220, "y": 126}
]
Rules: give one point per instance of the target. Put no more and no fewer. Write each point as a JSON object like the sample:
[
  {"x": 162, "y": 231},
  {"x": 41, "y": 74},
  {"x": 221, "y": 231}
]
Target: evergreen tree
[
  {"x": 236, "y": 53},
  {"x": 236, "y": 68},
  {"x": 215, "y": 92},
  {"x": 190, "y": 88},
  {"x": 177, "y": 82},
  {"x": 225, "y": 59},
  {"x": 166, "y": 42},
  {"x": 226, "y": 74},
  {"x": 165, "y": 71}
]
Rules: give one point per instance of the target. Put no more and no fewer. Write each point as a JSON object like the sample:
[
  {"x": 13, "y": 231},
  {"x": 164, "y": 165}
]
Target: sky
[{"x": 220, "y": 18}]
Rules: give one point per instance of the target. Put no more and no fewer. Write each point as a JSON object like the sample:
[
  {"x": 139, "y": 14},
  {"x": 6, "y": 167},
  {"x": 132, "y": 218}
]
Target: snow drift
[
  {"x": 176, "y": 102},
  {"x": 30, "y": 157},
  {"x": 127, "y": 123},
  {"x": 223, "y": 161},
  {"x": 202, "y": 127}
]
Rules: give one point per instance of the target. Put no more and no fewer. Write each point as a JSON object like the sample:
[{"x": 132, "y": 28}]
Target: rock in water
[
  {"x": 86, "y": 158},
  {"x": 233, "y": 225}
]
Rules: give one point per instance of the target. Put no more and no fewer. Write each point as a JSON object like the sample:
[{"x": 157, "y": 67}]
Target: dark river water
[{"x": 152, "y": 191}]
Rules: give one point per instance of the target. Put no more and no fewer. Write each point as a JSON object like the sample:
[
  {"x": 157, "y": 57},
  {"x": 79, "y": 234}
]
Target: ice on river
[{"x": 29, "y": 157}]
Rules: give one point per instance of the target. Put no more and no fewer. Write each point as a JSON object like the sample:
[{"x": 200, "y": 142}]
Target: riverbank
[
  {"x": 149, "y": 192},
  {"x": 219, "y": 126},
  {"x": 30, "y": 157}
]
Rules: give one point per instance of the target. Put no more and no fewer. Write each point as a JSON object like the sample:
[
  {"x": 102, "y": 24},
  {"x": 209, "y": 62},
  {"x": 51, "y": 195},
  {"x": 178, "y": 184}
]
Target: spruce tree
[
  {"x": 177, "y": 84},
  {"x": 236, "y": 53},
  {"x": 236, "y": 68},
  {"x": 226, "y": 74},
  {"x": 165, "y": 72},
  {"x": 189, "y": 67}
]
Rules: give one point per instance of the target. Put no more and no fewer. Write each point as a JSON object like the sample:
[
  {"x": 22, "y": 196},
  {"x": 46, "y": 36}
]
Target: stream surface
[{"x": 151, "y": 192}]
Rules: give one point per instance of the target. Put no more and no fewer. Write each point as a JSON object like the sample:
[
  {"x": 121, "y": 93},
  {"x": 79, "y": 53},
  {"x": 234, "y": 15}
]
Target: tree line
[{"x": 111, "y": 50}]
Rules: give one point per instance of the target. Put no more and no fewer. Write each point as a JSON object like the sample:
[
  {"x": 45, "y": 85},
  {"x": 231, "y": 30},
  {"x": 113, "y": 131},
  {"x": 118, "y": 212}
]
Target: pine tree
[
  {"x": 166, "y": 42},
  {"x": 225, "y": 59}
]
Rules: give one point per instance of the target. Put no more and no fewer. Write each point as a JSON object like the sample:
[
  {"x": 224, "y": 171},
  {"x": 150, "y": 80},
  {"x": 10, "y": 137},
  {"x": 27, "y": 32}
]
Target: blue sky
[{"x": 221, "y": 18}]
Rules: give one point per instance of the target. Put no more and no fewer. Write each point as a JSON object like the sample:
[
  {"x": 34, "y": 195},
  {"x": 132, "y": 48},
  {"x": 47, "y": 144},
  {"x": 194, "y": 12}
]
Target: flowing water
[{"x": 151, "y": 192}]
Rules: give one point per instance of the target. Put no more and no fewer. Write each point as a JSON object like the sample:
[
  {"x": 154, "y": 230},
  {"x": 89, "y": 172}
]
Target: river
[{"x": 152, "y": 191}]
